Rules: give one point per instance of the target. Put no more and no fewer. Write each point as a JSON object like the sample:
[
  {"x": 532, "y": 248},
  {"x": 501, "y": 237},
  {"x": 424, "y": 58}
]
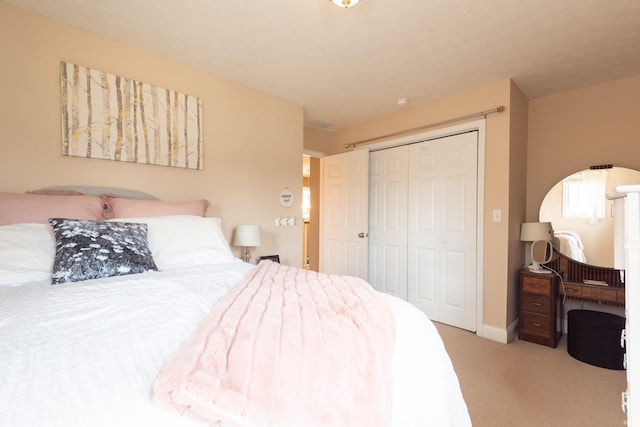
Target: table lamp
[{"x": 247, "y": 236}]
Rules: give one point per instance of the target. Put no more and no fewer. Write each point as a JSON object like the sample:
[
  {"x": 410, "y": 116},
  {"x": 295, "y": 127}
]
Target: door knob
[{"x": 362, "y": 235}]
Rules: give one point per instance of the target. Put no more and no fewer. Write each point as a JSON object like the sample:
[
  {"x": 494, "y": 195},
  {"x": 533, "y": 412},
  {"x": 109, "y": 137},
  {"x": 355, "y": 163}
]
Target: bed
[{"x": 83, "y": 345}]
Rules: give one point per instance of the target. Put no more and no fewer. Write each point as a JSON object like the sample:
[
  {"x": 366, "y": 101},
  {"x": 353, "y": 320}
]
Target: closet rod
[{"x": 499, "y": 109}]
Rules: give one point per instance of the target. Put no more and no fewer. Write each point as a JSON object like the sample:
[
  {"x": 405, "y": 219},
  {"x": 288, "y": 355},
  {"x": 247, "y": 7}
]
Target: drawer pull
[
  {"x": 536, "y": 303},
  {"x": 536, "y": 324},
  {"x": 569, "y": 290}
]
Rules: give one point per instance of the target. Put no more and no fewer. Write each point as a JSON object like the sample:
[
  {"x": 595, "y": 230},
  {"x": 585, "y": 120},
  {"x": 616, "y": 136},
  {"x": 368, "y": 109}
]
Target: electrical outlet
[{"x": 497, "y": 215}]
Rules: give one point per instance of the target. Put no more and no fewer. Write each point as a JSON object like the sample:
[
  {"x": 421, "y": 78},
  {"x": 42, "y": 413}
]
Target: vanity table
[
  {"x": 576, "y": 277},
  {"x": 541, "y": 295}
]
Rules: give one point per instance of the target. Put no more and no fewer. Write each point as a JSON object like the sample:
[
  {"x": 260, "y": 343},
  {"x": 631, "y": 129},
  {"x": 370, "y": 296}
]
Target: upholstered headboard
[
  {"x": 99, "y": 191},
  {"x": 89, "y": 203}
]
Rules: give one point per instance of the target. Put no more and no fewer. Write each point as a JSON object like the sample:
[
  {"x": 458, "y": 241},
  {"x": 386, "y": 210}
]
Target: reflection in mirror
[{"x": 584, "y": 230}]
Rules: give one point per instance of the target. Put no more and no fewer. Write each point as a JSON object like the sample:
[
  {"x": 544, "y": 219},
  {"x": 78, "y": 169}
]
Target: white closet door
[
  {"x": 388, "y": 220},
  {"x": 442, "y": 206},
  {"x": 345, "y": 210}
]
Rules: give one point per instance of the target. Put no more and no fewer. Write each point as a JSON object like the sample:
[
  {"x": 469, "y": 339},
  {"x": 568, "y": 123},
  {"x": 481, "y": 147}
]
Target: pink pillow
[
  {"x": 119, "y": 207},
  {"x": 38, "y": 208}
]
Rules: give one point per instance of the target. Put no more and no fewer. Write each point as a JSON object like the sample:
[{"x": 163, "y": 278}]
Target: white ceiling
[{"x": 346, "y": 66}]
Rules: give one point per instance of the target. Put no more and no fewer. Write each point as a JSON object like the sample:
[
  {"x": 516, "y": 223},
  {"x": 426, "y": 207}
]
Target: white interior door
[
  {"x": 388, "y": 220},
  {"x": 442, "y": 228},
  {"x": 345, "y": 211}
]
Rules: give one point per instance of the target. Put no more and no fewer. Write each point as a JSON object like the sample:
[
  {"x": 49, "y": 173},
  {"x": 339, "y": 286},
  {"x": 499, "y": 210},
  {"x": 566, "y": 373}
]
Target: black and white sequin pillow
[{"x": 94, "y": 249}]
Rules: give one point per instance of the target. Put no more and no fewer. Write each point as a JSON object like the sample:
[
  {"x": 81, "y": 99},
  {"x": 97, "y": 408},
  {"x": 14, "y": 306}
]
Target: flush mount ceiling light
[{"x": 345, "y": 3}]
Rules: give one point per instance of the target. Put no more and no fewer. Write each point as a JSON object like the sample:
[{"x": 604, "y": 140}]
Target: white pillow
[
  {"x": 26, "y": 253},
  {"x": 183, "y": 240}
]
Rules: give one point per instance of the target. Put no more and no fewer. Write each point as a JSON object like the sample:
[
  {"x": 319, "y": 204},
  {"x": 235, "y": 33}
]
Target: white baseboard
[{"x": 499, "y": 334}]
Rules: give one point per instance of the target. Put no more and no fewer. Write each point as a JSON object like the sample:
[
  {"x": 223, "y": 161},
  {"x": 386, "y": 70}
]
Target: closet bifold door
[
  {"x": 388, "y": 220},
  {"x": 442, "y": 233},
  {"x": 422, "y": 226}
]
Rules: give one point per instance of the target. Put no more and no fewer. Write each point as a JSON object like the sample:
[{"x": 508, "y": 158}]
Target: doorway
[{"x": 310, "y": 212}]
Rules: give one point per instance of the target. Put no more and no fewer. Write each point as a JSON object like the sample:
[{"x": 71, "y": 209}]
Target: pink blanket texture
[{"x": 287, "y": 347}]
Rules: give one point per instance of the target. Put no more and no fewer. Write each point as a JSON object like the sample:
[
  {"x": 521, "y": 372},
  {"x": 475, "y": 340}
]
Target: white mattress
[{"x": 87, "y": 354}]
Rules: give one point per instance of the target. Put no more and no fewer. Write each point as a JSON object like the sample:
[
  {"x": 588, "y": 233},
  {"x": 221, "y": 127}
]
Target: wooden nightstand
[{"x": 538, "y": 308}]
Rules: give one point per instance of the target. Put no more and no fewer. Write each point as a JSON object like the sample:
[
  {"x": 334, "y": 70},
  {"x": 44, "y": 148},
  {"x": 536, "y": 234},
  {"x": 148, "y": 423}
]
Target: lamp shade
[
  {"x": 533, "y": 231},
  {"x": 248, "y": 236}
]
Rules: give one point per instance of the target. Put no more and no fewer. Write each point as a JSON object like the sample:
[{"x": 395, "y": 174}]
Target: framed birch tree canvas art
[{"x": 105, "y": 116}]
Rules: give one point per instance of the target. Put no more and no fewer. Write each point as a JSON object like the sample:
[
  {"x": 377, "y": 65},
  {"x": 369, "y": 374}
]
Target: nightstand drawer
[
  {"x": 537, "y": 324},
  {"x": 536, "y": 303},
  {"x": 538, "y": 308},
  {"x": 534, "y": 285}
]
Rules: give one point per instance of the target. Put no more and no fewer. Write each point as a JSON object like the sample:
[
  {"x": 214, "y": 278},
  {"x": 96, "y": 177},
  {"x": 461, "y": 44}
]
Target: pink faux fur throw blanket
[{"x": 287, "y": 346}]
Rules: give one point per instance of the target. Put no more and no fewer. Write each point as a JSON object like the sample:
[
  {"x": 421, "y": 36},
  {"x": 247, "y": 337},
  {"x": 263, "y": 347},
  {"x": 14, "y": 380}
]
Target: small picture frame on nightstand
[{"x": 274, "y": 258}]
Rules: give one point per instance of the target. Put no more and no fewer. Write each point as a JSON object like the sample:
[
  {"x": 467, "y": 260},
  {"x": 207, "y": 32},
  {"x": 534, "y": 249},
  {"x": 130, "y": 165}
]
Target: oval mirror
[{"x": 585, "y": 229}]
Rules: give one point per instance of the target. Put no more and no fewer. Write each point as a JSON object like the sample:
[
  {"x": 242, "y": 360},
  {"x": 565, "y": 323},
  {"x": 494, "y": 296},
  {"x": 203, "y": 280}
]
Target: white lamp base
[
  {"x": 535, "y": 268},
  {"x": 246, "y": 254}
]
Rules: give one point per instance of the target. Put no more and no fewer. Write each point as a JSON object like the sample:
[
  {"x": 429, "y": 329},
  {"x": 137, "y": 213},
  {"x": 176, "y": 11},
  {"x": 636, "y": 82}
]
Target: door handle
[{"x": 362, "y": 235}]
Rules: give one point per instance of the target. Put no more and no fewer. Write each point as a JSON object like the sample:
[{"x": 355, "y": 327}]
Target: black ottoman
[{"x": 593, "y": 337}]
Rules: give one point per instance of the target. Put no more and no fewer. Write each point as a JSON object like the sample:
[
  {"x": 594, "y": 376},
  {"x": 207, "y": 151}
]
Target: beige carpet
[{"x": 526, "y": 384}]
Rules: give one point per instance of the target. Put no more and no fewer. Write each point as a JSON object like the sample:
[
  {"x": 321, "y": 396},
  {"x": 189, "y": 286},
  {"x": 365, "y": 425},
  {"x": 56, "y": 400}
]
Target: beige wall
[
  {"x": 570, "y": 131},
  {"x": 252, "y": 141},
  {"x": 518, "y": 129},
  {"x": 315, "y": 141},
  {"x": 498, "y": 268}
]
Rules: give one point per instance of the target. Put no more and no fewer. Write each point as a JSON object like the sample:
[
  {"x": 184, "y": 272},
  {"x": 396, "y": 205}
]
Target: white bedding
[
  {"x": 570, "y": 244},
  {"x": 88, "y": 353}
]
